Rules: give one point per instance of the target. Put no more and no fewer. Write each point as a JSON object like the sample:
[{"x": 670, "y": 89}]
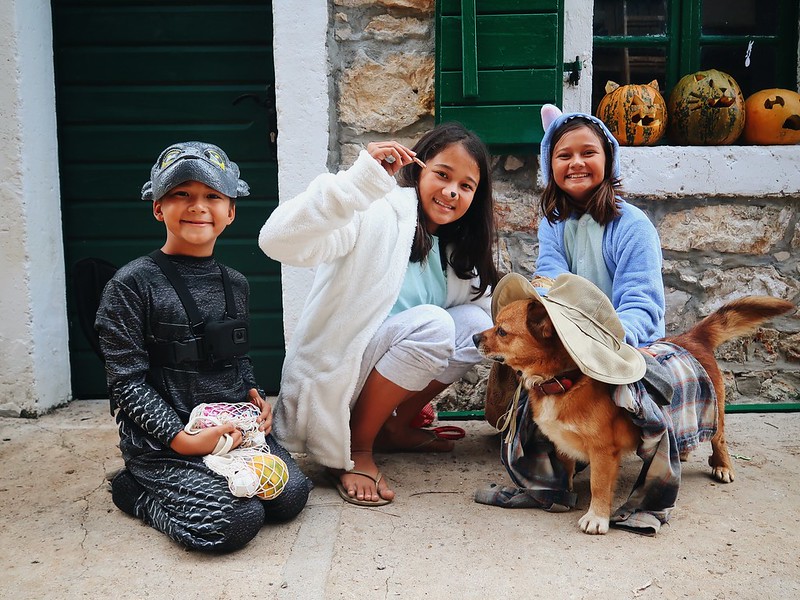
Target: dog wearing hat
[{"x": 567, "y": 349}]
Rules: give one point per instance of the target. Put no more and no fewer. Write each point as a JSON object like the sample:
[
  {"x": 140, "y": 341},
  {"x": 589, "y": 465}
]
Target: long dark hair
[
  {"x": 602, "y": 204},
  {"x": 472, "y": 236}
]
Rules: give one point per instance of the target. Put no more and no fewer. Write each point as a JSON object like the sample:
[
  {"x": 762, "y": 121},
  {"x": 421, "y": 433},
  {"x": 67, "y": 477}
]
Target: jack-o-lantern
[
  {"x": 706, "y": 108},
  {"x": 773, "y": 117},
  {"x": 636, "y": 115}
]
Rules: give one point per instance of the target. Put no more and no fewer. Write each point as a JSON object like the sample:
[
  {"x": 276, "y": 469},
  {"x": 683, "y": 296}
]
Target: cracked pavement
[{"x": 62, "y": 537}]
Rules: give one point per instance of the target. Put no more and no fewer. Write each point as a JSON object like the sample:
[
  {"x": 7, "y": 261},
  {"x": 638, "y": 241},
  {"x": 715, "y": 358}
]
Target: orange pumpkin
[
  {"x": 773, "y": 117},
  {"x": 636, "y": 115},
  {"x": 706, "y": 109}
]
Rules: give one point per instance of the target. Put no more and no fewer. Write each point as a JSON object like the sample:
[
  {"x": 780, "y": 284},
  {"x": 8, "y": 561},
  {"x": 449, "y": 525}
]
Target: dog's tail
[{"x": 735, "y": 319}]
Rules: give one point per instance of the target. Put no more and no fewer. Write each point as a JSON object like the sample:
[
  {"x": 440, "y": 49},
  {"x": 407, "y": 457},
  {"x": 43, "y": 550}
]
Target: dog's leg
[
  {"x": 569, "y": 467},
  {"x": 720, "y": 459},
  {"x": 603, "y": 478}
]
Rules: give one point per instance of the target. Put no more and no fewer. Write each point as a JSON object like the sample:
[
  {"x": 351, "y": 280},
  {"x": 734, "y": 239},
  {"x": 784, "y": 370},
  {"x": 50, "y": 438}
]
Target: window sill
[{"x": 751, "y": 171}]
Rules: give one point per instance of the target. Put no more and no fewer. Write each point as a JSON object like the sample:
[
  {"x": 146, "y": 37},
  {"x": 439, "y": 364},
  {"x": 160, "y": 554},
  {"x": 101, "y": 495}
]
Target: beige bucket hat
[{"x": 585, "y": 321}]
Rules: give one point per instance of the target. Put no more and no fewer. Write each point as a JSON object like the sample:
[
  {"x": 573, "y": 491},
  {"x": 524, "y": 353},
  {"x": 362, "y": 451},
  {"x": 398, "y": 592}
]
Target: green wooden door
[{"x": 133, "y": 76}]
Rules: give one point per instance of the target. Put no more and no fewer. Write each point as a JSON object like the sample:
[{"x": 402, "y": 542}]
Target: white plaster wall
[
  {"x": 578, "y": 42},
  {"x": 303, "y": 100},
  {"x": 749, "y": 171},
  {"x": 34, "y": 361}
]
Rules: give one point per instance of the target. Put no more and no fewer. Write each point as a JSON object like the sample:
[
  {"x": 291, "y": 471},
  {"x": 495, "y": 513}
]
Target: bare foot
[
  {"x": 395, "y": 438},
  {"x": 363, "y": 486}
]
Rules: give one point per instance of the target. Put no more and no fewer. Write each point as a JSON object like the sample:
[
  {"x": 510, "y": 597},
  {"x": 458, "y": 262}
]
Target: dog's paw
[
  {"x": 722, "y": 474},
  {"x": 593, "y": 524},
  {"x": 684, "y": 456}
]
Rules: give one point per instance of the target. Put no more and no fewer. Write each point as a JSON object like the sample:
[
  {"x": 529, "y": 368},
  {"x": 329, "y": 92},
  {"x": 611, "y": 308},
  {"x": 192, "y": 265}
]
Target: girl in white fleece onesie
[{"x": 403, "y": 273}]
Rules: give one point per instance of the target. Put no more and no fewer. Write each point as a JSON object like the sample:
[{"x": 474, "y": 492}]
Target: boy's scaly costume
[{"x": 140, "y": 311}]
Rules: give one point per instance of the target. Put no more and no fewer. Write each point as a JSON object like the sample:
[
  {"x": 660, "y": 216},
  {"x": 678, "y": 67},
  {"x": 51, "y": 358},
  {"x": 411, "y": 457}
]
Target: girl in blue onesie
[{"x": 589, "y": 230}]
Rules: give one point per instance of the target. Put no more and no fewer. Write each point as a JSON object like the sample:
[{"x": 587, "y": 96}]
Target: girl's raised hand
[{"x": 393, "y": 155}]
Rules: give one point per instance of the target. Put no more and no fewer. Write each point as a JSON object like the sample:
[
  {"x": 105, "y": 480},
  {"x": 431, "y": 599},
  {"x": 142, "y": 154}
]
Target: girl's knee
[{"x": 437, "y": 324}]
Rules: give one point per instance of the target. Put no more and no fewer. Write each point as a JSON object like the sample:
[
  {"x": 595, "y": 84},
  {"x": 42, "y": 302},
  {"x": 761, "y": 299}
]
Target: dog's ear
[{"x": 539, "y": 323}]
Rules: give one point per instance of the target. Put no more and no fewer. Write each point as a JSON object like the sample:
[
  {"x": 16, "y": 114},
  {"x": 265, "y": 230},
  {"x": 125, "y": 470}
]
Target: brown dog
[{"x": 583, "y": 422}]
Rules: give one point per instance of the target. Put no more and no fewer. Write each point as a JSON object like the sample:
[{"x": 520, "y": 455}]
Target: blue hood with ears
[{"x": 548, "y": 136}]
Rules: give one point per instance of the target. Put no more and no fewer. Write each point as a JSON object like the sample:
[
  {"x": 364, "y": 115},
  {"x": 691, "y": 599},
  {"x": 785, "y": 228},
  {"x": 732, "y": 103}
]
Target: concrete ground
[{"x": 61, "y": 537}]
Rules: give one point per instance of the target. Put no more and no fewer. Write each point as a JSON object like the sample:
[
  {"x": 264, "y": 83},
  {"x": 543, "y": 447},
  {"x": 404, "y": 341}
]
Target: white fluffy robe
[{"x": 356, "y": 227}]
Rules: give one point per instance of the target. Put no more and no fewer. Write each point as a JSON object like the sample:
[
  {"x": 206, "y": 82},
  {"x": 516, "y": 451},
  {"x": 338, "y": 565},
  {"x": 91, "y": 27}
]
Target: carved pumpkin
[
  {"x": 772, "y": 117},
  {"x": 706, "y": 108},
  {"x": 635, "y": 114}
]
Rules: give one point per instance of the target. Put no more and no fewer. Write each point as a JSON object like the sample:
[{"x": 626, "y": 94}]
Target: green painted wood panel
[
  {"x": 519, "y": 68},
  {"x": 503, "y": 87},
  {"x": 161, "y": 65},
  {"x": 495, "y": 7},
  {"x": 504, "y": 42},
  {"x": 168, "y": 23},
  {"x": 500, "y": 125},
  {"x": 133, "y": 76}
]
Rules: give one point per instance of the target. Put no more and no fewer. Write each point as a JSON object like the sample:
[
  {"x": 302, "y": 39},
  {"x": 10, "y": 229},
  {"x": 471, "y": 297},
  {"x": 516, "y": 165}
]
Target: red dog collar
[{"x": 558, "y": 384}]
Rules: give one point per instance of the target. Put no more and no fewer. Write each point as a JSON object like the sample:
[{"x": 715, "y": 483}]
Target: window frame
[{"x": 683, "y": 41}]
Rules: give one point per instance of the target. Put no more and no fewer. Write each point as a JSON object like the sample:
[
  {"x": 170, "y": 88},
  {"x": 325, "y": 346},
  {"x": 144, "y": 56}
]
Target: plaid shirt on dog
[{"x": 668, "y": 429}]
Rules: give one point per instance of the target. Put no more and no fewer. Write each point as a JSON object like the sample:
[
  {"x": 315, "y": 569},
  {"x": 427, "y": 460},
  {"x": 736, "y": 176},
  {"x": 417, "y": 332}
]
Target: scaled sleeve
[{"x": 120, "y": 323}]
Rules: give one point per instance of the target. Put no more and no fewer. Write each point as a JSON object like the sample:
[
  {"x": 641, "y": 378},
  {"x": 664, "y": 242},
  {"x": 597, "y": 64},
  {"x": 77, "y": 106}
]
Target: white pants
[{"x": 423, "y": 343}]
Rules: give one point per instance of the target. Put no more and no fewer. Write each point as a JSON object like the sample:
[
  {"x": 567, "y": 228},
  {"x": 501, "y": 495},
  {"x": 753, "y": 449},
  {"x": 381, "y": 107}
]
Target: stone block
[
  {"x": 513, "y": 163},
  {"x": 515, "y": 209},
  {"x": 388, "y": 28},
  {"x": 724, "y": 286},
  {"x": 9, "y": 409},
  {"x": 423, "y": 6},
  {"x": 725, "y": 228},
  {"x": 388, "y": 95}
]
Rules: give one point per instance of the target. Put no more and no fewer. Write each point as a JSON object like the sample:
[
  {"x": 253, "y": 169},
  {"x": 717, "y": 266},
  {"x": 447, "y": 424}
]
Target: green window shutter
[{"x": 497, "y": 63}]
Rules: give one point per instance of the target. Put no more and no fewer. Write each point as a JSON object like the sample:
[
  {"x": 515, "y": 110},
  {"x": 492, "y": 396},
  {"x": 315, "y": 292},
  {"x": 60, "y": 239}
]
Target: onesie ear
[{"x": 550, "y": 113}]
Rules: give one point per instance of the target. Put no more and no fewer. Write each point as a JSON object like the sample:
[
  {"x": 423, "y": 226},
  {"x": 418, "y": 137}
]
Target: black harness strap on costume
[
  {"x": 196, "y": 349},
  {"x": 230, "y": 303},
  {"x": 171, "y": 273}
]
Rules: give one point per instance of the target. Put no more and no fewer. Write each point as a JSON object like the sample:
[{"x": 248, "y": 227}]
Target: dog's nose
[{"x": 476, "y": 339}]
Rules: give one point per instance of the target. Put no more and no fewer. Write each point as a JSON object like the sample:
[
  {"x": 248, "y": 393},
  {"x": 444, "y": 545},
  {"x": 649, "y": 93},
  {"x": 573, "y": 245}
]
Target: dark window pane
[
  {"x": 626, "y": 65},
  {"x": 630, "y": 17},
  {"x": 730, "y": 59},
  {"x": 741, "y": 17}
]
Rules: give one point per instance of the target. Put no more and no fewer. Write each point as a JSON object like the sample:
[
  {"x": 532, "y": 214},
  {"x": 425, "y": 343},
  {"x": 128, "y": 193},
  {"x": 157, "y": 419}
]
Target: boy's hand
[
  {"x": 265, "y": 418},
  {"x": 205, "y": 440}
]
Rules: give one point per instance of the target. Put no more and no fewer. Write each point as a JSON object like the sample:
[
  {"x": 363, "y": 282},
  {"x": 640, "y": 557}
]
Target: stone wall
[{"x": 715, "y": 249}]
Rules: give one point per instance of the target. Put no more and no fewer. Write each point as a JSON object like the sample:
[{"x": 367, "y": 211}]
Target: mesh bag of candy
[
  {"x": 251, "y": 469},
  {"x": 251, "y": 472},
  {"x": 243, "y": 415}
]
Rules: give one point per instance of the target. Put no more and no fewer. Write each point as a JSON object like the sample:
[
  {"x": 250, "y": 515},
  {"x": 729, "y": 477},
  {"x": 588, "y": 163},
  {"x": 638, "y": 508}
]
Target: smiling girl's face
[
  {"x": 579, "y": 164},
  {"x": 447, "y": 186}
]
